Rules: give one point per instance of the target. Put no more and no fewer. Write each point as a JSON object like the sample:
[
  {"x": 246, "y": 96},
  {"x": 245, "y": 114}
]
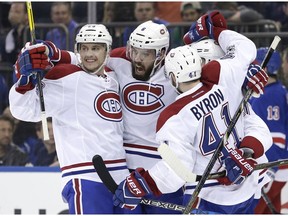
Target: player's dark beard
[{"x": 144, "y": 77}]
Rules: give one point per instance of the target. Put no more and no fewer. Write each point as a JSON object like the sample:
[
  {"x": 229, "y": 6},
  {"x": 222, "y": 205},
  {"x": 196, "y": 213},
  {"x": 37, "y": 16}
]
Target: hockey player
[
  {"x": 145, "y": 92},
  {"x": 84, "y": 103},
  {"x": 209, "y": 50},
  {"x": 194, "y": 124},
  {"x": 272, "y": 107}
]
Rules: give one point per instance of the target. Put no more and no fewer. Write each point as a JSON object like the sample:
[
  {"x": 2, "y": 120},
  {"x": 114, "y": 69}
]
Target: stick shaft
[
  {"x": 41, "y": 97},
  {"x": 257, "y": 167},
  {"x": 268, "y": 202}
]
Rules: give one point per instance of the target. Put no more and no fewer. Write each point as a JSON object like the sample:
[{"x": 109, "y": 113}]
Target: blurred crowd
[{"x": 21, "y": 143}]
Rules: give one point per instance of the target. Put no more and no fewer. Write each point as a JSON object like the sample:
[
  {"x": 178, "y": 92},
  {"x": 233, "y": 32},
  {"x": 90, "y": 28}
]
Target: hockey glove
[
  {"x": 31, "y": 60},
  {"x": 237, "y": 167},
  {"x": 130, "y": 191},
  {"x": 209, "y": 25},
  {"x": 256, "y": 79},
  {"x": 54, "y": 53}
]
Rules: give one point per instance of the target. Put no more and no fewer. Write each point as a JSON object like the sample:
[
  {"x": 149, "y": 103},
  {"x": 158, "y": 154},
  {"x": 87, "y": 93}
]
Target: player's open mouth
[{"x": 139, "y": 69}]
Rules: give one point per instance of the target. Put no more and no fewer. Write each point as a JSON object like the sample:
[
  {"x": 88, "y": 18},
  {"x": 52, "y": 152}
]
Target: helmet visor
[{"x": 142, "y": 55}]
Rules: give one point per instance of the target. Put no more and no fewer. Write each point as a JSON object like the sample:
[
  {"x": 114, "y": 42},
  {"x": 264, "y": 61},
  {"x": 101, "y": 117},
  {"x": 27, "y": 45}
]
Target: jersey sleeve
[
  {"x": 26, "y": 107},
  {"x": 165, "y": 178},
  {"x": 231, "y": 69},
  {"x": 172, "y": 134},
  {"x": 67, "y": 57}
]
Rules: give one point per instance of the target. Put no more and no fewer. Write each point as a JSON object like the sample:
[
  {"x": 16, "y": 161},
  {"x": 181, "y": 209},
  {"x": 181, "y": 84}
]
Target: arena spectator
[
  {"x": 14, "y": 39},
  {"x": 61, "y": 12},
  {"x": 109, "y": 16},
  {"x": 237, "y": 13},
  {"x": 190, "y": 12},
  {"x": 143, "y": 11},
  {"x": 3, "y": 94},
  {"x": 10, "y": 154},
  {"x": 45, "y": 150}
]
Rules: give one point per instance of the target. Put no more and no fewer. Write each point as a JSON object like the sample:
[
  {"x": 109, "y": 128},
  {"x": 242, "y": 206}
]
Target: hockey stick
[
  {"x": 41, "y": 97},
  {"x": 257, "y": 167},
  {"x": 182, "y": 171},
  {"x": 268, "y": 202},
  {"x": 109, "y": 182},
  {"x": 228, "y": 131}
]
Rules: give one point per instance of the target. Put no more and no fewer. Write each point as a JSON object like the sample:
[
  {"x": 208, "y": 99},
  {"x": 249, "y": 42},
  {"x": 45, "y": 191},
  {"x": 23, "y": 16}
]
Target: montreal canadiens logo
[
  {"x": 107, "y": 105},
  {"x": 143, "y": 98}
]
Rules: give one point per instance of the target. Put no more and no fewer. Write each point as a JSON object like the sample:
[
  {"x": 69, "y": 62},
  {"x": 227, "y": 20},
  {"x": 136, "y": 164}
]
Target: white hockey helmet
[
  {"x": 208, "y": 49},
  {"x": 185, "y": 63},
  {"x": 150, "y": 35},
  {"x": 94, "y": 33}
]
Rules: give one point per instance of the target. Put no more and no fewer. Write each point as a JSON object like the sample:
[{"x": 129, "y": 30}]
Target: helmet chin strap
[
  {"x": 99, "y": 69},
  {"x": 105, "y": 60},
  {"x": 156, "y": 65},
  {"x": 102, "y": 66}
]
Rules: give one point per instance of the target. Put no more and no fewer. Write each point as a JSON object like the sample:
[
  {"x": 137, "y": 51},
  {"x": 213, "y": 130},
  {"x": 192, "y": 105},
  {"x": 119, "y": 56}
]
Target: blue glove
[
  {"x": 209, "y": 25},
  {"x": 237, "y": 167},
  {"x": 256, "y": 79},
  {"x": 31, "y": 60},
  {"x": 130, "y": 191}
]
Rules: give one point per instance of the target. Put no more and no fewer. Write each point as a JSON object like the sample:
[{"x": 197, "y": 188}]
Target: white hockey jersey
[
  {"x": 194, "y": 124},
  {"x": 142, "y": 103},
  {"x": 87, "y": 120}
]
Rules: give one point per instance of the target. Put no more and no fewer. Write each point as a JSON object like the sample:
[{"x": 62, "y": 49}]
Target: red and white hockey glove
[
  {"x": 209, "y": 25},
  {"x": 237, "y": 167},
  {"x": 54, "y": 53},
  {"x": 31, "y": 60},
  {"x": 34, "y": 59},
  {"x": 256, "y": 79},
  {"x": 130, "y": 191}
]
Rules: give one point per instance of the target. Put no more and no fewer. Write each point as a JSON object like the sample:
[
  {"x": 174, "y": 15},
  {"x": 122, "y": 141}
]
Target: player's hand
[
  {"x": 237, "y": 167},
  {"x": 209, "y": 25},
  {"x": 130, "y": 191},
  {"x": 256, "y": 79},
  {"x": 54, "y": 53},
  {"x": 31, "y": 60}
]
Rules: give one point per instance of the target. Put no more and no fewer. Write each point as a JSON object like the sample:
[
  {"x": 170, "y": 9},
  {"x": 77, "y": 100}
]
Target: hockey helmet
[
  {"x": 274, "y": 63},
  {"x": 94, "y": 33},
  {"x": 150, "y": 35},
  {"x": 185, "y": 63},
  {"x": 208, "y": 49}
]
